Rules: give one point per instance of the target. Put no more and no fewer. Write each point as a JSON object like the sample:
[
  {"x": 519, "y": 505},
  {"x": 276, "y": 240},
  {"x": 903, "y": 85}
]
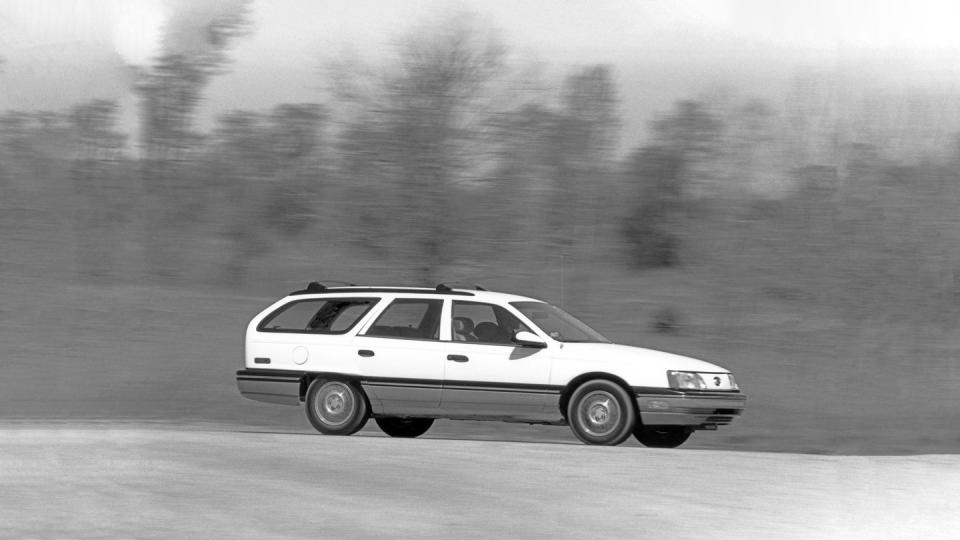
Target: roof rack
[
  {"x": 318, "y": 287},
  {"x": 445, "y": 287},
  {"x": 315, "y": 287}
]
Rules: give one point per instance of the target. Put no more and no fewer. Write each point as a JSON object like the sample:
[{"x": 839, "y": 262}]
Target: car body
[{"x": 405, "y": 356}]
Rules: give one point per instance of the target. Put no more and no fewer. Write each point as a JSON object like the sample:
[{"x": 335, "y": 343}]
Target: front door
[{"x": 487, "y": 375}]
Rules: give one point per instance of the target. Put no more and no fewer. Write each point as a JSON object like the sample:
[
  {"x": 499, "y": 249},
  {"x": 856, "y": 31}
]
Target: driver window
[{"x": 484, "y": 323}]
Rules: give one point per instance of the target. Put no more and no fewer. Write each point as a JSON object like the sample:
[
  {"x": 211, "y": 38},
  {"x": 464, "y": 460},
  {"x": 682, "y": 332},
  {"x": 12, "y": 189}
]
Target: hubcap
[
  {"x": 334, "y": 403},
  {"x": 599, "y": 413}
]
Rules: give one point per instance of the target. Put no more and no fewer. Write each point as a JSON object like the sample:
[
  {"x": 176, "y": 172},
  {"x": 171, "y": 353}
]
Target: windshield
[{"x": 557, "y": 323}]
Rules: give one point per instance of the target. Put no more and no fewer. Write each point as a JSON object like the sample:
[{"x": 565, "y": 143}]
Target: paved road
[{"x": 95, "y": 481}]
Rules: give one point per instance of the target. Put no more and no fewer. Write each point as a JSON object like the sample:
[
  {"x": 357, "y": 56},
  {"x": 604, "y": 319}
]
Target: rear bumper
[
  {"x": 270, "y": 386},
  {"x": 706, "y": 410}
]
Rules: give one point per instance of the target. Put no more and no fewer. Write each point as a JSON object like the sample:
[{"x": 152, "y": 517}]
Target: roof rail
[
  {"x": 328, "y": 282},
  {"x": 312, "y": 287},
  {"x": 447, "y": 287},
  {"x": 318, "y": 287},
  {"x": 315, "y": 287}
]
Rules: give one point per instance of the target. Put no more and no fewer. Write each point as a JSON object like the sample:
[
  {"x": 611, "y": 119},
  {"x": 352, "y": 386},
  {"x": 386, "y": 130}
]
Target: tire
[
  {"x": 662, "y": 436},
  {"x": 601, "y": 412},
  {"x": 336, "y": 407},
  {"x": 406, "y": 428}
]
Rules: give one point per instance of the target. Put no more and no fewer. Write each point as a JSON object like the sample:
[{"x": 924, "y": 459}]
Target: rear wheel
[
  {"x": 662, "y": 436},
  {"x": 407, "y": 428},
  {"x": 601, "y": 412},
  {"x": 336, "y": 407}
]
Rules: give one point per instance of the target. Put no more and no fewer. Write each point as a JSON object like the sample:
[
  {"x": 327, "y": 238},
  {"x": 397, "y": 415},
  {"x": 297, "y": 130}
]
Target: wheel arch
[
  {"x": 311, "y": 376},
  {"x": 593, "y": 375}
]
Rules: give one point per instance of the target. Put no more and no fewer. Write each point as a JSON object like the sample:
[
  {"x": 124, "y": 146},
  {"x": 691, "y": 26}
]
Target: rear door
[{"x": 401, "y": 357}]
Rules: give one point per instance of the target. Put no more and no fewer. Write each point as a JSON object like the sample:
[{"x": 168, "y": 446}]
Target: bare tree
[
  {"x": 170, "y": 91},
  {"x": 417, "y": 121}
]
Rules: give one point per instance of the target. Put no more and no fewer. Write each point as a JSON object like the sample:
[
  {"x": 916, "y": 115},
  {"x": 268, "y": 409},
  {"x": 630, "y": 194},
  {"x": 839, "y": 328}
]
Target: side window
[
  {"x": 412, "y": 318},
  {"x": 484, "y": 323},
  {"x": 318, "y": 316}
]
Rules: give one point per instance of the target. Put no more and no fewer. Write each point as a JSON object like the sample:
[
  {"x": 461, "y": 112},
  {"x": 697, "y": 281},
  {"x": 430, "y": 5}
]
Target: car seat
[
  {"x": 463, "y": 329},
  {"x": 490, "y": 333}
]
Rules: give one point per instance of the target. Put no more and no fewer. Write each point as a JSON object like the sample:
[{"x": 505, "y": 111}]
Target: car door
[
  {"x": 401, "y": 357},
  {"x": 487, "y": 375}
]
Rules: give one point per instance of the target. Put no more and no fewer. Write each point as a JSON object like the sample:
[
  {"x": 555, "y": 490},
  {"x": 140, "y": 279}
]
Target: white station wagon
[{"x": 406, "y": 356}]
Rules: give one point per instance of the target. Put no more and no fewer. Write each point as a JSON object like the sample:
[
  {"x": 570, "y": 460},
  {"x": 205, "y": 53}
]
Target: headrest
[{"x": 462, "y": 325}]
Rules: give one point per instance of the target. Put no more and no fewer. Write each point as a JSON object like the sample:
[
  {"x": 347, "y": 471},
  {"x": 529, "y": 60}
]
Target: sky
[{"x": 59, "y": 52}]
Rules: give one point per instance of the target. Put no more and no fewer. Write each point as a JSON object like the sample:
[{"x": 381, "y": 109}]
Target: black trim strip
[
  {"x": 257, "y": 372},
  {"x": 472, "y": 385},
  {"x": 523, "y": 390},
  {"x": 269, "y": 379},
  {"x": 482, "y": 386},
  {"x": 656, "y": 391},
  {"x": 402, "y": 385}
]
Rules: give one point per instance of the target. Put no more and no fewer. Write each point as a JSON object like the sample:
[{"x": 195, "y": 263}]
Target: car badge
[{"x": 716, "y": 381}]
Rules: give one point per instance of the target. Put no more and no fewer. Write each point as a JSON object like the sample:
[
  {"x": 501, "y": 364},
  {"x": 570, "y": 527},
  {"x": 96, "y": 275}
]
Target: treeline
[{"x": 446, "y": 155}]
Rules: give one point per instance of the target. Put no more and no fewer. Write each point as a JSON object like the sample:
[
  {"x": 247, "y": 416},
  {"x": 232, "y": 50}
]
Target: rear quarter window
[{"x": 317, "y": 316}]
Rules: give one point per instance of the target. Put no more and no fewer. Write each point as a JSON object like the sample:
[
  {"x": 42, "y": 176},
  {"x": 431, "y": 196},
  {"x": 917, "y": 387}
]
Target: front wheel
[
  {"x": 336, "y": 407},
  {"x": 601, "y": 412},
  {"x": 406, "y": 428},
  {"x": 662, "y": 436}
]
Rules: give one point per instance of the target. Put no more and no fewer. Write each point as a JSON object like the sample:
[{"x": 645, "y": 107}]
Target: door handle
[
  {"x": 365, "y": 352},
  {"x": 457, "y": 358}
]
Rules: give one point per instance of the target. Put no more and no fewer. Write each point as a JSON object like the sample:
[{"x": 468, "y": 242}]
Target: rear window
[{"x": 318, "y": 315}]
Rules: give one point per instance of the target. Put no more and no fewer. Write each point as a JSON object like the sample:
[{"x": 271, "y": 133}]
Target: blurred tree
[
  {"x": 295, "y": 144},
  {"x": 35, "y": 143},
  {"x": 417, "y": 123},
  {"x": 101, "y": 192},
  {"x": 269, "y": 175},
  {"x": 583, "y": 146},
  {"x": 170, "y": 91},
  {"x": 520, "y": 188},
  {"x": 753, "y": 151},
  {"x": 652, "y": 227},
  {"x": 676, "y": 169},
  {"x": 694, "y": 134}
]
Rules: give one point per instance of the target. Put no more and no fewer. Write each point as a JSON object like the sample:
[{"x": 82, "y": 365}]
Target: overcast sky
[{"x": 59, "y": 52}]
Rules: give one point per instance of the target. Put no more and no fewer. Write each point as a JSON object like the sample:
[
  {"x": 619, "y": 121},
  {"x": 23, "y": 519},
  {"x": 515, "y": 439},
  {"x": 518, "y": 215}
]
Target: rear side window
[
  {"x": 411, "y": 318},
  {"x": 318, "y": 315}
]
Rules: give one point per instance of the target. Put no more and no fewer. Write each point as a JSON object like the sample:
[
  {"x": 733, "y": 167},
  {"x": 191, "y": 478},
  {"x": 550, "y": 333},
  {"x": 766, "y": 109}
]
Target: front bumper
[{"x": 705, "y": 410}]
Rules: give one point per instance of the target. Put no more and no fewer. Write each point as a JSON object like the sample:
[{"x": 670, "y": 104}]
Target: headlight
[
  {"x": 692, "y": 380},
  {"x": 686, "y": 380}
]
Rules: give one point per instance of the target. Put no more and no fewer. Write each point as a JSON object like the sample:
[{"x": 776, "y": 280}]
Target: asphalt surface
[{"x": 208, "y": 481}]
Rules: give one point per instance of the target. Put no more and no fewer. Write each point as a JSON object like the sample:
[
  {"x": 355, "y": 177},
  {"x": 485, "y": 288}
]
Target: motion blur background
[{"x": 771, "y": 186}]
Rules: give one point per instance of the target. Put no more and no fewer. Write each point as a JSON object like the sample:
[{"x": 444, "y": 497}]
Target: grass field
[
  {"x": 818, "y": 379},
  {"x": 169, "y": 354}
]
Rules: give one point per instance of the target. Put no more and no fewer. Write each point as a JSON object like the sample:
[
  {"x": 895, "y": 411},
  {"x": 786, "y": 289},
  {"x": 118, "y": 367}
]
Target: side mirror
[{"x": 529, "y": 339}]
